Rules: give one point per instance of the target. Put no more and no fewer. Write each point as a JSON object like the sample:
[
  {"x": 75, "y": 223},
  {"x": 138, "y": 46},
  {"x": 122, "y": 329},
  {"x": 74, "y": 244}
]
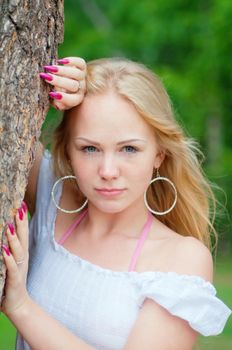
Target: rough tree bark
[{"x": 30, "y": 31}]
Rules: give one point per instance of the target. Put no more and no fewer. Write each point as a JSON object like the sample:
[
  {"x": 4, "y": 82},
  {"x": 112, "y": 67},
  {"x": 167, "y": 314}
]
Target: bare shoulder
[
  {"x": 170, "y": 251},
  {"x": 194, "y": 258}
]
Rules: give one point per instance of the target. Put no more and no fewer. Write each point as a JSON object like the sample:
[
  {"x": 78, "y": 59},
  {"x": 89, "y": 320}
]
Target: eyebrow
[{"x": 118, "y": 143}]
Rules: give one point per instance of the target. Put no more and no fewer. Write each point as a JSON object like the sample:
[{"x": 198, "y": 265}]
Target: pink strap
[
  {"x": 141, "y": 241},
  {"x": 72, "y": 227}
]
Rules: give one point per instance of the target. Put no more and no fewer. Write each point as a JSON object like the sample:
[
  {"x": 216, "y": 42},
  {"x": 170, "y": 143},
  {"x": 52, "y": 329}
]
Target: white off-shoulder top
[{"x": 100, "y": 305}]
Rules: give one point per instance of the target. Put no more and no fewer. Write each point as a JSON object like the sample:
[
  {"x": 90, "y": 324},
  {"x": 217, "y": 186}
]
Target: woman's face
[{"x": 112, "y": 151}]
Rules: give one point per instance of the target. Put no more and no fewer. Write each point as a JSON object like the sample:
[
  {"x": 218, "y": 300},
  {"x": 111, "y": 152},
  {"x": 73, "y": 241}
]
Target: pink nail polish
[
  {"x": 55, "y": 95},
  {"x": 63, "y": 61},
  {"x": 51, "y": 68},
  {"x": 6, "y": 249},
  {"x": 46, "y": 76},
  {"x": 11, "y": 228},
  {"x": 20, "y": 212},
  {"x": 24, "y": 207}
]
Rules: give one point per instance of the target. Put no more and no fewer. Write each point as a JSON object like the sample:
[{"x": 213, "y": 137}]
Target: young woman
[{"x": 120, "y": 230}]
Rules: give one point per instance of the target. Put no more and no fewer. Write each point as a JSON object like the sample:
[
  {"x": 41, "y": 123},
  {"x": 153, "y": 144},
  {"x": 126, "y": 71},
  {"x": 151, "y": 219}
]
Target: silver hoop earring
[
  {"x": 159, "y": 178},
  {"x": 53, "y": 196}
]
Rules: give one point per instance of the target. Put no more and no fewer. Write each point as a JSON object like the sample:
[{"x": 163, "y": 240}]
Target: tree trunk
[{"x": 30, "y": 31}]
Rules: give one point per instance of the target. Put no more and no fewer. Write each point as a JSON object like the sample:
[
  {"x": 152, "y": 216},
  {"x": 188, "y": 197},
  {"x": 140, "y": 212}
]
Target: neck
[{"x": 128, "y": 222}]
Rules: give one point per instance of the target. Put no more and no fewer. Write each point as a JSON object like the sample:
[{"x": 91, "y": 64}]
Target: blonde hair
[{"x": 195, "y": 209}]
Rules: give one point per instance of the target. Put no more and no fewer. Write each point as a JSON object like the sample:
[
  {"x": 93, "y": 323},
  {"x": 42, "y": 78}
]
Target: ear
[{"x": 159, "y": 158}]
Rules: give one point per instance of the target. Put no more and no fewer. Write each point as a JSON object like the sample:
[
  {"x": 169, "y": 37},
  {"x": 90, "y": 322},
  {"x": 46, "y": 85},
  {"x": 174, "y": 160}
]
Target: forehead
[{"x": 109, "y": 115}]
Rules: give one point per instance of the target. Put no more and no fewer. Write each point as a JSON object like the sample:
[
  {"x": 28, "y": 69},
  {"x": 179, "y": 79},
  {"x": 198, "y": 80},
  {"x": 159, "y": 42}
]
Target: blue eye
[
  {"x": 89, "y": 149},
  {"x": 130, "y": 149}
]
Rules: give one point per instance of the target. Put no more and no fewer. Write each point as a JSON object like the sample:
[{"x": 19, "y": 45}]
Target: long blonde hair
[{"x": 195, "y": 209}]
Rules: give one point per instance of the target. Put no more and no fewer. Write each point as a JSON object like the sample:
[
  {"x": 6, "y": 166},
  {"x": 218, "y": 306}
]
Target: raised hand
[
  {"x": 16, "y": 259},
  {"x": 68, "y": 79}
]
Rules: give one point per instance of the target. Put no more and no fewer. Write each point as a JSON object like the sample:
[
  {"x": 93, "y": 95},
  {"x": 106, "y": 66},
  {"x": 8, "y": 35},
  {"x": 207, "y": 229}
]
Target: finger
[
  {"x": 78, "y": 62},
  {"x": 22, "y": 228},
  {"x": 66, "y": 101},
  {"x": 65, "y": 83},
  {"x": 12, "y": 268},
  {"x": 69, "y": 72},
  {"x": 15, "y": 247},
  {"x": 15, "y": 290},
  {"x": 81, "y": 88}
]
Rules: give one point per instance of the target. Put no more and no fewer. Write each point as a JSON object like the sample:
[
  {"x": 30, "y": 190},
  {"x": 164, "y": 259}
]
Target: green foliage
[
  {"x": 7, "y": 334},
  {"x": 188, "y": 44}
]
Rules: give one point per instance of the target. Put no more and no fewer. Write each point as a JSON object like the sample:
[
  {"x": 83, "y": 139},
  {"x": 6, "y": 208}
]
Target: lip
[{"x": 110, "y": 191}]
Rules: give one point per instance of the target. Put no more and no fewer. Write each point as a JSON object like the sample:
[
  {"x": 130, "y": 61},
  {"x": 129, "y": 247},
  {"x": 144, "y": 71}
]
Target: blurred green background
[{"x": 189, "y": 45}]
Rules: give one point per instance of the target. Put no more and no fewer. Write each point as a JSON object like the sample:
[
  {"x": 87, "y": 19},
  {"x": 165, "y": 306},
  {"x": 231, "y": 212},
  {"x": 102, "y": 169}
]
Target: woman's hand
[
  {"x": 16, "y": 259},
  {"x": 68, "y": 80},
  {"x": 37, "y": 327}
]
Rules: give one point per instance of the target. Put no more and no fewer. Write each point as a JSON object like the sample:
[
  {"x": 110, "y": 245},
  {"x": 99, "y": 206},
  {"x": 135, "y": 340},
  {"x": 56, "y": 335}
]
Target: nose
[{"x": 108, "y": 168}]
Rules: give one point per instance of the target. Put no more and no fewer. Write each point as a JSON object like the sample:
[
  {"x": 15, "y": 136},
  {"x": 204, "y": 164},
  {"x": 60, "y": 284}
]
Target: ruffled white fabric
[{"x": 188, "y": 297}]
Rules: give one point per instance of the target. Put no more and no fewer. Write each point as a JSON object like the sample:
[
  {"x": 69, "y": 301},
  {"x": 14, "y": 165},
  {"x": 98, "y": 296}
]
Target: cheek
[
  {"x": 83, "y": 172},
  {"x": 79, "y": 167},
  {"x": 141, "y": 178},
  {"x": 84, "y": 178}
]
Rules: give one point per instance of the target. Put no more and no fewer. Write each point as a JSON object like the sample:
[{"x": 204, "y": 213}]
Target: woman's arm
[
  {"x": 43, "y": 332},
  {"x": 155, "y": 327},
  {"x": 68, "y": 81},
  {"x": 38, "y": 328}
]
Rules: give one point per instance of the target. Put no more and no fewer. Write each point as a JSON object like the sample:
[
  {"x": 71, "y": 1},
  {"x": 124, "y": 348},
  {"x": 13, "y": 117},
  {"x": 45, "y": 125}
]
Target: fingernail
[
  {"x": 63, "y": 61},
  {"x": 24, "y": 207},
  {"x": 51, "y": 68},
  {"x": 55, "y": 95},
  {"x": 20, "y": 212},
  {"x": 6, "y": 249},
  {"x": 46, "y": 76},
  {"x": 11, "y": 228}
]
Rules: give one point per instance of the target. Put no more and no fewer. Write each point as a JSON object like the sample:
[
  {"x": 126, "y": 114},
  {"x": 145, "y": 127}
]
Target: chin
[{"x": 110, "y": 208}]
